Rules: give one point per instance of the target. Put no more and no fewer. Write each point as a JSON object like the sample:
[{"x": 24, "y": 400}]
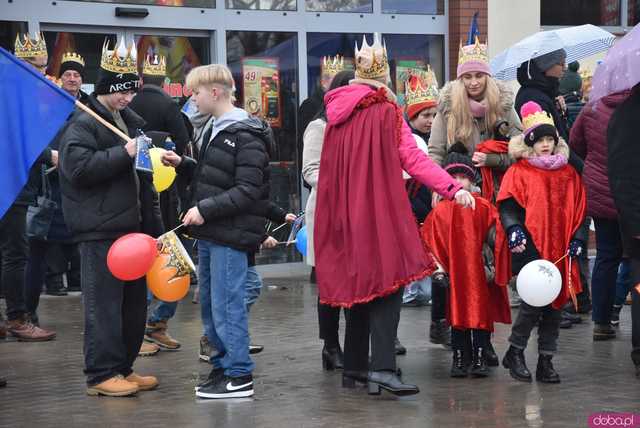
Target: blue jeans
[
  {"x": 605, "y": 269},
  {"x": 222, "y": 276},
  {"x": 623, "y": 282},
  {"x": 163, "y": 311},
  {"x": 420, "y": 291},
  {"x": 253, "y": 287}
]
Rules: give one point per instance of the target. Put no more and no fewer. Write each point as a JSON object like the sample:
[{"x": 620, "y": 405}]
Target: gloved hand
[
  {"x": 516, "y": 237},
  {"x": 576, "y": 248}
]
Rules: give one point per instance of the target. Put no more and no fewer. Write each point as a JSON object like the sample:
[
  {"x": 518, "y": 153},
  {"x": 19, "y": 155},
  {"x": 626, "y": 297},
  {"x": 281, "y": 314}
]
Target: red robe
[
  {"x": 456, "y": 236},
  {"x": 491, "y": 147},
  {"x": 555, "y": 204}
]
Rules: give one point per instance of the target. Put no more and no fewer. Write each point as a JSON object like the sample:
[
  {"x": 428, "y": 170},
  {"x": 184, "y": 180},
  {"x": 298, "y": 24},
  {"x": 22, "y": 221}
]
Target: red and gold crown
[
  {"x": 156, "y": 66},
  {"x": 26, "y": 47},
  {"x": 72, "y": 57},
  {"x": 474, "y": 52},
  {"x": 332, "y": 65},
  {"x": 121, "y": 60},
  {"x": 421, "y": 87},
  {"x": 371, "y": 61}
]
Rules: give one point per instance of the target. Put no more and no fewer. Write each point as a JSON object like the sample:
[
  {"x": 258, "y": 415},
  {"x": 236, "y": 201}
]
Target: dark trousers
[
  {"x": 469, "y": 339},
  {"x": 329, "y": 323},
  {"x": 114, "y": 316},
  {"x": 378, "y": 319},
  {"x": 14, "y": 251},
  {"x": 438, "y": 300},
  {"x": 548, "y": 320},
  {"x": 605, "y": 269},
  {"x": 632, "y": 249}
]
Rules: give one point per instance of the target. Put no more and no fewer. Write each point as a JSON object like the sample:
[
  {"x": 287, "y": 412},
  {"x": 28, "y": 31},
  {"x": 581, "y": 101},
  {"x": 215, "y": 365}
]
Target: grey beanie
[{"x": 547, "y": 61}]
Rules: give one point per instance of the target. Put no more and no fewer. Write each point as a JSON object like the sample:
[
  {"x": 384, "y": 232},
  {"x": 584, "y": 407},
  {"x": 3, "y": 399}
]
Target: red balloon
[{"x": 131, "y": 256}]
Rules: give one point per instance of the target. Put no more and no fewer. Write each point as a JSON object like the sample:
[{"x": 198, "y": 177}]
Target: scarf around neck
[
  {"x": 549, "y": 162},
  {"x": 478, "y": 108}
]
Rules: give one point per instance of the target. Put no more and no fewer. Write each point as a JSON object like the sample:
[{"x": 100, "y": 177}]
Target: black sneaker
[
  {"x": 255, "y": 349},
  {"x": 213, "y": 377},
  {"x": 228, "y": 387},
  {"x": 615, "y": 315}
]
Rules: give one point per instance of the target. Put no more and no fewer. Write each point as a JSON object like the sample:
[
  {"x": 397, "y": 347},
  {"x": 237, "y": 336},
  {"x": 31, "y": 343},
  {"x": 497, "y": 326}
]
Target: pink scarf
[
  {"x": 549, "y": 162},
  {"x": 478, "y": 109}
]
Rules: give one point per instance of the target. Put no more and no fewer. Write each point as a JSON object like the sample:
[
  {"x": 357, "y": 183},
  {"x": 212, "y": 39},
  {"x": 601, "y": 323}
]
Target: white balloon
[{"x": 539, "y": 283}]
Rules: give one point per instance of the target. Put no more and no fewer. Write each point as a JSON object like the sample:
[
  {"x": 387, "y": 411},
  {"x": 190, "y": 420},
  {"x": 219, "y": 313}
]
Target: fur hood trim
[{"x": 519, "y": 150}]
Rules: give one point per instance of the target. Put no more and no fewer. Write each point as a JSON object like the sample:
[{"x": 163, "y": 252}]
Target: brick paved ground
[{"x": 46, "y": 386}]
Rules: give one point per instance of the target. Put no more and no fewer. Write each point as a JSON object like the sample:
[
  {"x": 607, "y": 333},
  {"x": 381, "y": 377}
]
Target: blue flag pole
[{"x": 474, "y": 31}]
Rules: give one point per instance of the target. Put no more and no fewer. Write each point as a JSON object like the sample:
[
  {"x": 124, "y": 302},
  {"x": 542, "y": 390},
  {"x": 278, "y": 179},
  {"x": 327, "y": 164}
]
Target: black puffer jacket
[
  {"x": 103, "y": 197},
  {"x": 230, "y": 184}
]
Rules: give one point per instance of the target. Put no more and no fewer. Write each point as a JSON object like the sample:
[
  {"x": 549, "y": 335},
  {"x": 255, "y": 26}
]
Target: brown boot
[
  {"x": 27, "y": 332},
  {"x": 157, "y": 333},
  {"x": 148, "y": 349},
  {"x": 117, "y": 386},
  {"x": 145, "y": 383}
]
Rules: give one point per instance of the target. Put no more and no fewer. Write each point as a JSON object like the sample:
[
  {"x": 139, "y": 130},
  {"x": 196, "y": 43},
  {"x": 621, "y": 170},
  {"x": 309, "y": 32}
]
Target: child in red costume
[
  {"x": 542, "y": 206},
  {"x": 477, "y": 296}
]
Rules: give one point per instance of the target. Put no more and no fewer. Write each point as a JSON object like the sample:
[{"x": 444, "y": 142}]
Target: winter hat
[
  {"x": 473, "y": 58},
  {"x": 458, "y": 161},
  {"x": 71, "y": 61},
  {"x": 547, "y": 61},
  {"x": 420, "y": 92},
  {"x": 574, "y": 66},
  {"x": 118, "y": 69},
  {"x": 537, "y": 123}
]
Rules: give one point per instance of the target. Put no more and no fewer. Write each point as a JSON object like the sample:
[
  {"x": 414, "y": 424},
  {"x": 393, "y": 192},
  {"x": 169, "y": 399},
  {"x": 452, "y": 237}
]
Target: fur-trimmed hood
[
  {"x": 518, "y": 149},
  {"x": 506, "y": 98}
]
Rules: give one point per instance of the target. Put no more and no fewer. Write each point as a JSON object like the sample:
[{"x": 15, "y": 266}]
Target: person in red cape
[
  {"x": 542, "y": 208},
  {"x": 499, "y": 145},
  {"x": 367, "y": 245},
  {"x": 477, "y": 273}
]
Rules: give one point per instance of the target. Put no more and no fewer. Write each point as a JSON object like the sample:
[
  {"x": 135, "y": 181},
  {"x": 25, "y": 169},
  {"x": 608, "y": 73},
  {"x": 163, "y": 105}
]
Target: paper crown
[
  {"x": 371, "y": 61},
  {"x": 421, "y": 87},
  {"x": 156, "y": 66},
  {"x": 121, "y": 60},
  {"x": 26, "y": 47},
  {"x": 473, "y": 52},
  {"x": 533, "y": 116},
  {"x": 72, "y": 57},
  {"x": 332, "y": 66}
]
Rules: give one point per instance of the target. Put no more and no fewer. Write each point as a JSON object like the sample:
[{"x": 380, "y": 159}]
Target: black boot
[
  {"x": 603, "y": 332},
  {"x": 565, "y": 323},
  {"x": 458, "y": 365},
  {"x": 351, "y": 378},
  {"x": 440, "y": 333},
  {"x": 574, "y": 318},
  {"x": 312, "y": 275},
  {"x": 3, "y": 382},
  {"x": 400, "y": 350},
  {"x": 545, "y": 372},
  {"x": 490, "y": 355},
  {"x": 390, "y": 381},
  {"x": 332, "y": 358},
  {"x": 479, "y": 366},
  {"x": 514, "y": 361}
]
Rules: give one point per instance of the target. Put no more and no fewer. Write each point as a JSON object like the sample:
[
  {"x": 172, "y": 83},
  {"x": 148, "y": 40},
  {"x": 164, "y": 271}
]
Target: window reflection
[
  {"x": 634, "y": 12},
  {"x": 363, "y": 6},
  {"x": 579, "y": 12},
  {"x": 426, "y": 7},
  {"x": 178, "y": 3},
  {"x": 8, "y": 32},
  {"x": 261, "y": 4}
]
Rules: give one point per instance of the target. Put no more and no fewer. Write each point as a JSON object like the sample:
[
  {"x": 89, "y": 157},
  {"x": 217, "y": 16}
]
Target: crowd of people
[{"x": 444, "y": 199}]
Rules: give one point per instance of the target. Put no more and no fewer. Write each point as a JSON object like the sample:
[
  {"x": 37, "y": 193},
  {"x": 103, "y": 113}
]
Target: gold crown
[
  {"x": 421, "y": 87},
  {"x": 474, "y": 52},
  {"x": 332, "y": 66},
  {"x": 155, "y": 67},
  {"x": 540, "y": 117},
  {"x": 371, "y": 61},
  {"x": 120, "y": 60},
  {"x": 26, "y": 47},
  {"x": 72, "y": 57}
]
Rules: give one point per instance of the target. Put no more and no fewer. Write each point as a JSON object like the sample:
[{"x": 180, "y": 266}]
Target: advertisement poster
[
  {"x": 403, "y": 70},
  {"x": 261, "y": 89}
]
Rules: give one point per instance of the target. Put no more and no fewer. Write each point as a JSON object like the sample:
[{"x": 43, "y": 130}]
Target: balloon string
[
  {"x": 176, "y": 228},
  {"x": 560, "y": 259}
]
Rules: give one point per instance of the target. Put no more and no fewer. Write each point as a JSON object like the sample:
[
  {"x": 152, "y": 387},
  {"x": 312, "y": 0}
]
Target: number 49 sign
[{"x": 261, "y": 89}]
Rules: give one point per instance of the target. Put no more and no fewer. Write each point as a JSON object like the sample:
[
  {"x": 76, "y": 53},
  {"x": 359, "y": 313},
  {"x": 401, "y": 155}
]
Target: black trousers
[
  {"x": 115, "y": 313},
  {"x": 548, "y": 320},
  {"x": 469, "y": 339},
  {"x": 14, "y": 251},
  {"x": 328, "y": 324},
  {"x": 377, "y": 319},
  {"x": 632, "y": 248},
  {"x": 438, "y": 299}
]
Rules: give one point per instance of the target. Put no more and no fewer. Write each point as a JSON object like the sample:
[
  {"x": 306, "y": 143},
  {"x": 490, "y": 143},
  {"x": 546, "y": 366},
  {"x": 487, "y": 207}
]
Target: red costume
[
  {"x": 456, "y": 236},
  {"x": 488, "y": 179},
  {"x": 554, "y": 202}
]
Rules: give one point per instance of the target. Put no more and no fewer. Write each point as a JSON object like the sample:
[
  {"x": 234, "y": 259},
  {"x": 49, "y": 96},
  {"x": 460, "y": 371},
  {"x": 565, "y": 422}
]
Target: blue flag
[
  {"x": 32, "y": 110},
  {"x": 474, "y": 31}
]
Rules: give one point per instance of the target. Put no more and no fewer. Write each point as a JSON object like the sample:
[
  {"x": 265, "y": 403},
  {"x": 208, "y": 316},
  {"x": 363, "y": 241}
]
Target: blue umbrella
[{"x": 579, "y": 42}]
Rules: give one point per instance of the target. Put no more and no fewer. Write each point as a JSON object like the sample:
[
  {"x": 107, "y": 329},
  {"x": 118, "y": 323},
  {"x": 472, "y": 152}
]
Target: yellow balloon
[{"x": 163, "y": 176}]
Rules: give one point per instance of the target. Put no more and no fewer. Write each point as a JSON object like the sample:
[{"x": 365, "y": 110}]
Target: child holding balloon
[{"x": 542, "y": 206}]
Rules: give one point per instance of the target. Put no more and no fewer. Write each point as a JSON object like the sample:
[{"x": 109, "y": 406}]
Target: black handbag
[{"x": 40, "y": 216}]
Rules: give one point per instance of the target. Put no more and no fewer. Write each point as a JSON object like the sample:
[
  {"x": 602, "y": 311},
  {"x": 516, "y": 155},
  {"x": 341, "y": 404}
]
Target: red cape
[
  {"x": 555, "y": 204},
  {"x": 366, "y": 240},
  {"x": 491, "y": 147},
  {"x": 456, "y": 236}
]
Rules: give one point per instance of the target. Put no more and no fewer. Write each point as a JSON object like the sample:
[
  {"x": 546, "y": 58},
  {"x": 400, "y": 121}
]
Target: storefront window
[
  {"x": 413, "y": 51},
  {"x": 178, "y": 3},
  {"x": 8, "y": 32},
  {"x": 425, "y": 7},
  {"x": 261, "y": 4},
  {"x": 265, "y": 69},
  {"x": 362, "y": 6},
  {"x": 634, "y": 12},
  {"x": 579, "y": 12}
]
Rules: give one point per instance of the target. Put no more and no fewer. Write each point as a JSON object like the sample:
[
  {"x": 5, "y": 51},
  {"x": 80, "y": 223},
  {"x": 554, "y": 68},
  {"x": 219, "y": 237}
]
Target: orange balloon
[{"x": 163, "y": 282}]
